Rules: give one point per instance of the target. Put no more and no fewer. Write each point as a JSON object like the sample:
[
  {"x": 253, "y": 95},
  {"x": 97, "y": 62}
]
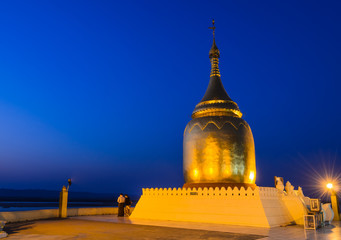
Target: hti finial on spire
[
  {"x": 213, "y": 28},
  {"x": 214, "y": 54}
]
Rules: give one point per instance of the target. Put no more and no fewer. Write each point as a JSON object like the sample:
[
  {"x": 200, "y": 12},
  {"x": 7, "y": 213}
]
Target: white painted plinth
[{"x": 261, "y": 207}]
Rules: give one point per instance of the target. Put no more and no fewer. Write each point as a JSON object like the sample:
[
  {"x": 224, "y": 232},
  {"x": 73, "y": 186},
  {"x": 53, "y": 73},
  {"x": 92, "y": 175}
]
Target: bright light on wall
[{"x": 252, "y": 176}]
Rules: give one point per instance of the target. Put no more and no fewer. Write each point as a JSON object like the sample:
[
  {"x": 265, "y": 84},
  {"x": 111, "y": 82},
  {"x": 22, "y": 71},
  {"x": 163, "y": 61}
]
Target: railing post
[
  {"x": 335, "y": 205},
  {"x": 63, "y": 198}
]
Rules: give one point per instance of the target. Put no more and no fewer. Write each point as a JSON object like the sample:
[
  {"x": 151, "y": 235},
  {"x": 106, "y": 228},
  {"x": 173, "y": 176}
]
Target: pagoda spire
[
  {"x": 214, "y": 55},
  {"x": 218, "y": 146},
  {"x": 216, "y": 102}
]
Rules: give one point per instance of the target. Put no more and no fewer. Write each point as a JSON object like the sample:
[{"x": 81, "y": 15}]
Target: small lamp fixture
[{"x": 69, "y": 182}]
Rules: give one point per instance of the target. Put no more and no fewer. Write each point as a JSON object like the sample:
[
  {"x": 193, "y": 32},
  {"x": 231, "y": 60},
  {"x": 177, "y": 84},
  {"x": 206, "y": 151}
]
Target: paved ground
[
  {"x": 85, "y": 229},
  {"x": 111, "y": 227}
]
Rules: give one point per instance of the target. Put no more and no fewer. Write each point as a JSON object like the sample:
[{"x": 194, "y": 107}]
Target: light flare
[{"x": 323, "y": 177}]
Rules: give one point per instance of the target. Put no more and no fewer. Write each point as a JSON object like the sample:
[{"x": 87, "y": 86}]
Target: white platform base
[{"x": 261, "y": 207}]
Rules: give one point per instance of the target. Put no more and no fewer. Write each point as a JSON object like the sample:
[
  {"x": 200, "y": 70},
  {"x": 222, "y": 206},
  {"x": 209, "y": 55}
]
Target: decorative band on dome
[
  {"x": 216, "y": 108},
  {"x": 217, "y": 112},
  {"x": 214, "y": 102}
]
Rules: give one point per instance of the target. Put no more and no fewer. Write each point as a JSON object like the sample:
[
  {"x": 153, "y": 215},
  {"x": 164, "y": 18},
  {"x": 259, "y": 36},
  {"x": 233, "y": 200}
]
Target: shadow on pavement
[{"x": 12, "y": 228}]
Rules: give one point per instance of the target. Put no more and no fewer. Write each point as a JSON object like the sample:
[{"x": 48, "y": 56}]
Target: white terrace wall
[
  {"x": 20, "y": 216},
  {"x": 296, "y": 208},
  {"x": 262, "y": 207}
]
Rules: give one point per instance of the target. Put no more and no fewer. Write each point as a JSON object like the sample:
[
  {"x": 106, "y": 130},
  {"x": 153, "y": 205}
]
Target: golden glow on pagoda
[{"x": 218, "y": 144}]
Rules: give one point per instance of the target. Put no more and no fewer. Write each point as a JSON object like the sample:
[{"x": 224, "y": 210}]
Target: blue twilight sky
[{"x": 101, "y": 91}]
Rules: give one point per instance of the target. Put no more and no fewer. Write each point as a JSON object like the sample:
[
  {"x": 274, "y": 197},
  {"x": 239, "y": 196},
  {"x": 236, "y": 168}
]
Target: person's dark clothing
[
  {"x": 127, "y": 201},
  {"x": 120, "y": 210}
]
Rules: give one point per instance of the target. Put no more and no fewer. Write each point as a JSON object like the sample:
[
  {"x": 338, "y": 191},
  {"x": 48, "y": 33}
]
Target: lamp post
[
  {"x": 335, "y": 201},
  {"x": 63, "y": 198}
]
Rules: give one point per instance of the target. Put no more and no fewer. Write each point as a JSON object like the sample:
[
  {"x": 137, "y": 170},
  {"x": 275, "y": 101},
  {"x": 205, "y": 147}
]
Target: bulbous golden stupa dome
[{"x": 218, "y": 146}]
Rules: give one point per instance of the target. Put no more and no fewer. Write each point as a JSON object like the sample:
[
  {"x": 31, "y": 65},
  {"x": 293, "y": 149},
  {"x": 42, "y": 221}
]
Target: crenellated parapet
[{"x": 211, "y": 192}]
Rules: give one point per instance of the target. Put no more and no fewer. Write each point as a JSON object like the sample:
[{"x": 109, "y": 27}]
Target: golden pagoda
[
  {"x": 218, "y": 146},
  {"x": 220, "y": 172}
]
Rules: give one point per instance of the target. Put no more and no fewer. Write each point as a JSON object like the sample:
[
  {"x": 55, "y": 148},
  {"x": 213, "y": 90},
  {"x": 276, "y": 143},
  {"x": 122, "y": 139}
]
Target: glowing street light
[{"x": 329, "y": 186}]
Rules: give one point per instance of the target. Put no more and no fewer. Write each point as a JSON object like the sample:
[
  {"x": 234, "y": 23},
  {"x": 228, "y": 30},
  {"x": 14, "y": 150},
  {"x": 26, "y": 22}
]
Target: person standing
[
  {"x": 121, "y": 201},
  {"x": 127, "y": 205}
]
